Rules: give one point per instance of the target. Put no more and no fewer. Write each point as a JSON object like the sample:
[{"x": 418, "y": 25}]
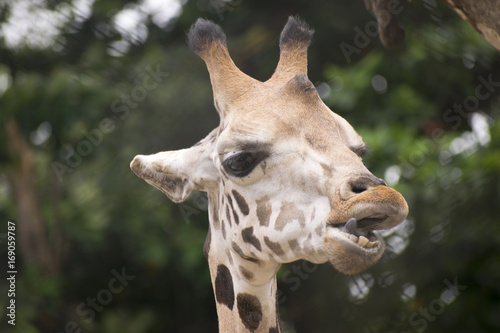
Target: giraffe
[{"x": 284, "y": 179}]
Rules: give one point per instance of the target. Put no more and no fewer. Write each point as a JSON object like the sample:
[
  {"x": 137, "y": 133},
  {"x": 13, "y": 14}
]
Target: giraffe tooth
[
  {"x": 363, "y": 241},
  {"x": 372, "y": 244},
  {"x": 354, "y": 238}
]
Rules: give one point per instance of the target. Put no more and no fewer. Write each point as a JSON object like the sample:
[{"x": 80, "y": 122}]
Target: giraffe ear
[{"x": 177, "y": 173}]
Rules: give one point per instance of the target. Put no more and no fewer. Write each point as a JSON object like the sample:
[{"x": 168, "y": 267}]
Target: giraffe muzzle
[
  {"x": 350, "y": 242},
  {"x": 377, "y": 208}
]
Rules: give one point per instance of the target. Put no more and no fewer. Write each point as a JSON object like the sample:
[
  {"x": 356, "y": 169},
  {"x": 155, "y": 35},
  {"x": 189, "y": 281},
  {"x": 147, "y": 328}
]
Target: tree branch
[
  {"x": 389, "y": 30},
  {"x": 483, "y": 15}
]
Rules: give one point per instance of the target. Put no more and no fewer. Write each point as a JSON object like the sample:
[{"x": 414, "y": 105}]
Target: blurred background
[{"x": 86, "y": 85}]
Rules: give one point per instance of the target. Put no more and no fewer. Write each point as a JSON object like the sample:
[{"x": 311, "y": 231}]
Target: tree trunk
[
  {"x": 389, "y": 30},
  {"x": 30, "y": 230},
  {"x": 483, "y": 15}
]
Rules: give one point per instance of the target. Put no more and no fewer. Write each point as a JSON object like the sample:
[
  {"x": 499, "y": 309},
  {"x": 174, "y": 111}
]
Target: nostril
[
  {"x": 363, "y": 183},
  {"x": 358, "y": 187}
]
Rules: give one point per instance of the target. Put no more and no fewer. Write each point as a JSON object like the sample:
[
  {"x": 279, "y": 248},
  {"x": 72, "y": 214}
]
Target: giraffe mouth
[
  {"x": 351, "y": 242},
  {"x": 353, "y": 246},
  {"x": 379, "y": 208},
  {"x": 360, "y": 231}
]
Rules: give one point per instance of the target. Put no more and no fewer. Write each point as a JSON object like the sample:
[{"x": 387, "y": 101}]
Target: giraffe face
[
  {"x": 294, "y": 184},
  {"x": 283, "y": 172}
]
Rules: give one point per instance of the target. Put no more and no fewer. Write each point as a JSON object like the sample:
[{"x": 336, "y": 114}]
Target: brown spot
[
  {"x": 294, "y": 246},
  {"x": 248, "y": 237},
  {"x": 250, "y": 310},
  {"x": 264, "y": 211},
  {"x": 274, "y": 330},
  {"x": 246, "y": 273},
  {"x": 288, "y": 213},
  {"x": 228, "y": 215},
  {"x": 224, "y": 290},
  {"x": 230, "y": 201},
  {"x": 241, "y": 202},
  {"x": 236, "y": 218},
  {"x": 238, "y": 250},
  {"x": 275, "y": 247}
]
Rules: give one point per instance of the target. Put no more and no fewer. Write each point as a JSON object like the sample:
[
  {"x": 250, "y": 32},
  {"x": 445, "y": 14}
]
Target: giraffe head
[{"x": 284, "y": 174}]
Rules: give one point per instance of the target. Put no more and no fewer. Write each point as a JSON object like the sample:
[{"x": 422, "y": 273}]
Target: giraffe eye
[{"x": 241, "y": 164}]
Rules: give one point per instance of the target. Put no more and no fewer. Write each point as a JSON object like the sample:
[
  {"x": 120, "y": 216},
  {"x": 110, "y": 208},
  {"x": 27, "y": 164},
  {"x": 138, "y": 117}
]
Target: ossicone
[
  {"x": 294, "y": 42},
  {"x": 296, "y": 33},
  {"x": 203, "y": 34}
]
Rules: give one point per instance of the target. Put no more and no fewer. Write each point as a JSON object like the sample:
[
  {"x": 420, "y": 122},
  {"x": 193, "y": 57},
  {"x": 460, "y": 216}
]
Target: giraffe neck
[
  {"x": 245, "y": 288},
  {"x": 242, "y": 306}
]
